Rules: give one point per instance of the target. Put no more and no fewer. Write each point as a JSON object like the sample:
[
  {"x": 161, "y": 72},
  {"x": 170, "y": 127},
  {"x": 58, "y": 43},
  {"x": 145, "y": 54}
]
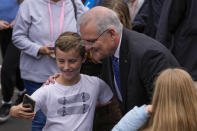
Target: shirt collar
[{"x": 118, "y": 49}]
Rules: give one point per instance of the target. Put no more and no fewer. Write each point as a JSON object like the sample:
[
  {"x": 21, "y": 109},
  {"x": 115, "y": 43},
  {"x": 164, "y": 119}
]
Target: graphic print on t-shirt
[
  {"x": 73, "y": 110},
  {"x": 82, "y": 97},
  {"x": 78, "y": 98}
]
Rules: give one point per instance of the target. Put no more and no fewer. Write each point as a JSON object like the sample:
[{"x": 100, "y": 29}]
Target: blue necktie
[{"x": 115, "y": 64}]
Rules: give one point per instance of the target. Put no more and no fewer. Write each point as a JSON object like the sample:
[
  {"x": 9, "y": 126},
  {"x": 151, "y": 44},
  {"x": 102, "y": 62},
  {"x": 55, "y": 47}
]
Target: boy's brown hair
[{"x": 70, "y": 40}]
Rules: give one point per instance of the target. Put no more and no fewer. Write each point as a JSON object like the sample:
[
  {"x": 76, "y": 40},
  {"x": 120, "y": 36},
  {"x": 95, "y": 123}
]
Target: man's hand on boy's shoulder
[
  {"x": 51, "y": 79},
  {"x": 22, "y": 112}
]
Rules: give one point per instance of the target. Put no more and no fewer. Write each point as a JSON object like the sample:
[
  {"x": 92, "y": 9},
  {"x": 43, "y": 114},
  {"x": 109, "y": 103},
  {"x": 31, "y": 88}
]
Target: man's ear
[{"x": 112, "y": 33}]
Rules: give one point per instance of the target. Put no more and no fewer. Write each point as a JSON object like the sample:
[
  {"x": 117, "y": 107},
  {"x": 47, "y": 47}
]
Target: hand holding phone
[
  {"x": 28, "y": 102},
  {"x": 51, "y": 47}
]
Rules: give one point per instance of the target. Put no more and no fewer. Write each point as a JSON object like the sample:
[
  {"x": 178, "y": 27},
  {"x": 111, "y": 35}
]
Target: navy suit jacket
[{"x": 141, "y": 59}]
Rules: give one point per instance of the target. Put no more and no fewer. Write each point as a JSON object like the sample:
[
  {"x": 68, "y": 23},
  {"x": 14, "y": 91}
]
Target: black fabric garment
[
  {"x": 147, "y": 19},
  {"x": 141, "y": 59},
  {"x": 91, "y": 68},
  {"x": 10, "y": 73},
  {"x": 178, "y": 32},
  {"x": 5, "y": 38}
]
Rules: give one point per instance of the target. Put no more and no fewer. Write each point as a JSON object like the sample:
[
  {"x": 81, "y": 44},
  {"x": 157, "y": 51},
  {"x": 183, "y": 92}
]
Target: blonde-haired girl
[{"x": 174, "y": 106}]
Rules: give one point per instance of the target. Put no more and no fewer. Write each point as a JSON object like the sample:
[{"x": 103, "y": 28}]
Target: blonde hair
[
  {"x": 174, "y": 103},
  {"x": 70, "y": 40}
]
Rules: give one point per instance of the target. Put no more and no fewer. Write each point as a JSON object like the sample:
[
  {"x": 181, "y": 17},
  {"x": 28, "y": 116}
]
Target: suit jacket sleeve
[{"x": 153, "y": 62}]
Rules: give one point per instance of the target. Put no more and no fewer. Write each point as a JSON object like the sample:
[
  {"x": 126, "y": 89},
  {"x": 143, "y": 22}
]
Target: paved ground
[{"x": 15, "y": 124}]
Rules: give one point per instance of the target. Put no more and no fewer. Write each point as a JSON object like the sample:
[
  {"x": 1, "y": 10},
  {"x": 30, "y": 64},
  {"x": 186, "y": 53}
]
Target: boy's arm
[
  {"x": 105, "y": 92},
  {"x": 21, "y": 112},
  {"x": 98, "y": 104},
  {"x": 40, "y": 96}
]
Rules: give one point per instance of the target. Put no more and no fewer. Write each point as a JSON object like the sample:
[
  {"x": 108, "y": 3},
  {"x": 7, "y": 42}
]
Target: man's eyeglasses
[{"x": 91, "y": 42}]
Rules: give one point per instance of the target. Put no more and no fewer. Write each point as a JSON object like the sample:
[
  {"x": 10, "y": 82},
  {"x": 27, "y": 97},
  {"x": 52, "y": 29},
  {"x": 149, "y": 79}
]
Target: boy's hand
[
  {"x": 21, "y": 112},
  {"x": 51, "y": 79}
]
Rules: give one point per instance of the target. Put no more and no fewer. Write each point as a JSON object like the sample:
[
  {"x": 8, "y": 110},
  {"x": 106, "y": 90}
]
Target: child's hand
[
  {"x": 21, "y": 112},
  {"x": 148, "y": 109}
]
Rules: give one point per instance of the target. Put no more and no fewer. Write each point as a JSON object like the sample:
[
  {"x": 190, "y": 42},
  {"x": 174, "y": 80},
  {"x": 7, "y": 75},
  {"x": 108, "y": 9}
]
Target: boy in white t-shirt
[{"x": 69, "y": 104}]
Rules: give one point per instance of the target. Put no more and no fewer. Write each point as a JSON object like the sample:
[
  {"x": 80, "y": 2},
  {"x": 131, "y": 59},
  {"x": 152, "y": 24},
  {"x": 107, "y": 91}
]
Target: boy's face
[{"x": 69, "y": 64}]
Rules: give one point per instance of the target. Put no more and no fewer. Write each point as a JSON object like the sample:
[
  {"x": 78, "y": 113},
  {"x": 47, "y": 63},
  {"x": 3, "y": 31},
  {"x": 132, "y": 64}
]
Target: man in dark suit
[{"x": 140, "y": 58}]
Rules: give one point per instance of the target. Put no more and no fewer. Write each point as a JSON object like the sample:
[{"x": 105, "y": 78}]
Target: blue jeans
[{"x": 40, "y": 119}]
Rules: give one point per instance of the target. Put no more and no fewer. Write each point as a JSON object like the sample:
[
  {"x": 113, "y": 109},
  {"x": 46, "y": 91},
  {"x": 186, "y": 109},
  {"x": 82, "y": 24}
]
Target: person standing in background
[
  {"x": 10, "y": 72},
  {"x": 38, "y": 24},
  {"x": 178, "y": 32},
  {"x": 8, "y": 11},
  {"x": 134, "y": 7},
  {"x": 147, "y": 18}
]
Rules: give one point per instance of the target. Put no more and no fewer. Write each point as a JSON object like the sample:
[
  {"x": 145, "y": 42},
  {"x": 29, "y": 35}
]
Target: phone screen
[
  {"x": 28, "y": 102},
  {"x": 51, "y": 47}
]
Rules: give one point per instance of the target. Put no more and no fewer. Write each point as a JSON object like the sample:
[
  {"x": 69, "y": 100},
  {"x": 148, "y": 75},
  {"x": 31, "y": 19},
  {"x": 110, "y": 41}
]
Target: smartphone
[
  {"x": 51, "y": 47},
  {"x": 28, "y": 102}
]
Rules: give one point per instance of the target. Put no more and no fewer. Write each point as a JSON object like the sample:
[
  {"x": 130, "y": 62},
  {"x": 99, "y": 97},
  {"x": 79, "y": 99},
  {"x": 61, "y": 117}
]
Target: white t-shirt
[{"x": 71, "y": 108}]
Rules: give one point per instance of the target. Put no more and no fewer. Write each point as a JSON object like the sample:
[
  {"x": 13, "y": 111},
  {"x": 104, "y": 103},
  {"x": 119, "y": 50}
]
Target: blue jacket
[{"x": 133, "y": 120}]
